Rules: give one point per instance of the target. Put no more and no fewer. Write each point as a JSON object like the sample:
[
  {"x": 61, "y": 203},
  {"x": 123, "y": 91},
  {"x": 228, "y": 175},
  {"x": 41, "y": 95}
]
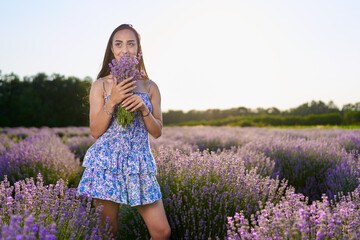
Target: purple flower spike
[{"x": 125, "y": 67}]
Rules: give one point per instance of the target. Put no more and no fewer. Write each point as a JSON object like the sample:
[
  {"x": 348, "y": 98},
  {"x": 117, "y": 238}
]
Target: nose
[{"x": 124, "y": 50}]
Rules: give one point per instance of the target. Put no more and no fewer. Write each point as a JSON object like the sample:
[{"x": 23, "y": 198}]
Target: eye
[
  {"x": 117, "y": 44},
  {"x": 132, "y": 44}
]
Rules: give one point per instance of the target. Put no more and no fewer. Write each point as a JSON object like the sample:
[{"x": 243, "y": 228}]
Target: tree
[{"x": 273, "y": 111}]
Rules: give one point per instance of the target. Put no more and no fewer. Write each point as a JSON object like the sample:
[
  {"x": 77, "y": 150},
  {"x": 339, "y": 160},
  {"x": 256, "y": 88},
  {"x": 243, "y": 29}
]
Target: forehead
[{"x": 124, "y": 35}]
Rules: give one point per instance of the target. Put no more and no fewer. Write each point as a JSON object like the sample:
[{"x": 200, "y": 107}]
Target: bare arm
[
  {"x": 99, "y": 120},
  {"x": 153, "y": 121}
]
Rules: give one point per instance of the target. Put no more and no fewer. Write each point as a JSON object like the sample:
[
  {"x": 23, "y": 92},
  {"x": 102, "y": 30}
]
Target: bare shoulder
[
  {"x": 154, "y": 89},
  {"x": 97, "y": 84},
  {"x": 96, "y": 87},
  {"x": 107, "y": 78}
]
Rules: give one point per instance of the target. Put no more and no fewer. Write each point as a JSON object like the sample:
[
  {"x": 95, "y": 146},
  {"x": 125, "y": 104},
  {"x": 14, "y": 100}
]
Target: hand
[
  {"x": 121, "y": 91},
  {"x": 135, "y": 102}
]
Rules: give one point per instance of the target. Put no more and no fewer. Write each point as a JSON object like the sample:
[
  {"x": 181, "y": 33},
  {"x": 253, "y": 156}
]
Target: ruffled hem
[{"x": 132, "y": 189}]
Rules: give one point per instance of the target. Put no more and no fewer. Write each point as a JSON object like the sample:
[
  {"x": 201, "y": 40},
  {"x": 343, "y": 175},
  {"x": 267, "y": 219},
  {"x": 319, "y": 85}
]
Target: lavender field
[{"x": 216, "y": 182}]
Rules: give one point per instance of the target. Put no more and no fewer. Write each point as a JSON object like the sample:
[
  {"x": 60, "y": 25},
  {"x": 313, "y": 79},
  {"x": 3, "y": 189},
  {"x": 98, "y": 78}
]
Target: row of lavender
[
  {"x": 47, "y": 209},
  {"x": 250, "y": 186}
]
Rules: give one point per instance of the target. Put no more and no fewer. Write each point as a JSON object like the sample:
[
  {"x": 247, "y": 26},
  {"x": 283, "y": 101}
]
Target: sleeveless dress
[{"x": 119, "y": 166}]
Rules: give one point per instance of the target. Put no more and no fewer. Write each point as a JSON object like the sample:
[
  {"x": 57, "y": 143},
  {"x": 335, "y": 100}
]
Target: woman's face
[{"x": 124, "y": 41}]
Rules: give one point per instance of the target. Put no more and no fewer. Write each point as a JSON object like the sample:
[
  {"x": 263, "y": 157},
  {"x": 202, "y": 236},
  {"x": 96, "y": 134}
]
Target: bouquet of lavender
[{"x": 124, "y": 68}]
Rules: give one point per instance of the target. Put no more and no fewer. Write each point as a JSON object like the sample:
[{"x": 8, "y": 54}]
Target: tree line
[
  {"x": 41, "y": 100},
  {"x": 313, "y": 113},
  {"x": 59, "y": 101}
]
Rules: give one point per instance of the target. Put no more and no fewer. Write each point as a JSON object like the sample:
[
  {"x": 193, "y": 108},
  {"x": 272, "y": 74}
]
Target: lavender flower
[
  {"x": 121, "y": 69},
  {"x": 38, "y": 211}
]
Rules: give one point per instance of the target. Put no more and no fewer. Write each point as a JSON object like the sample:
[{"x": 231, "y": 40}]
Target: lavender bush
[
  {"x": 313, "y": 167},
  {"x": 200, "y": 138},
  {"x": 42, "y": 152},
  {"x": 79, "y": 145},
  {"x": 201, "y": 189},
  {"x": 30, "y": 210},
  {"x": 71, "y": 131},
  {"x": 5, "y": 143},
  {"x": 350, "y": 142},
  {"x": 292, "y": 218},
  {"x": 19, "y": 133}
]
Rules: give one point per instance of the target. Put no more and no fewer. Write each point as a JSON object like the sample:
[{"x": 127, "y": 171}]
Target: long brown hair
[{"x": 109, "y": 56}]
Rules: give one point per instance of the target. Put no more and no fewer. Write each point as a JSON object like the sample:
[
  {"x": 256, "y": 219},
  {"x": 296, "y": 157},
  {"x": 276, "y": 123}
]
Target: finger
[
  {"x": 126, "y": 96},
  {"x": 136, "y": 107},
  {"x": 115, "y": 81},
  {"x": 130, "y": 89},
  {"x": 127, "y": 100},
  {"x": 129, "y": 84},
  {"x": 130, "y": 100},
  {"x": 127, "y": 91},
  {"x": 128, "y": 79},
  {"x": 131, "y": 105},
  {"x": 125, "y": 81}
]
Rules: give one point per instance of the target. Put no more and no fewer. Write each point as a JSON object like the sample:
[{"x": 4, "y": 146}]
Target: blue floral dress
[{"x": 119, "y": 166}]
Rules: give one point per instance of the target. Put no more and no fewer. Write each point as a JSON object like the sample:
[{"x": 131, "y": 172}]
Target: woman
[{"x": 120, "y": 167}]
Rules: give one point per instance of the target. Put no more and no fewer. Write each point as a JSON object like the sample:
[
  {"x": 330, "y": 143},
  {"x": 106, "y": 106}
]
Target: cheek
[
  {"x": 117, "y": 53},
  {"x": 133, "y": 50}
]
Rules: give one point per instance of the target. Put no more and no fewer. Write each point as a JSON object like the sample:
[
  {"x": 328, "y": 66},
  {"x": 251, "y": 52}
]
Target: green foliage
[
  {"x": 314, "y": 108},
  {"x": 352, "y": 117},
  {"x": 270, "y": 116},
  {"x": 40, "y": 100},
  {"x": 263, "y": 120}
]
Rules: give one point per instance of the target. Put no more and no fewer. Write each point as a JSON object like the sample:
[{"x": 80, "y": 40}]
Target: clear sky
[{"x": 202, "y": 54}]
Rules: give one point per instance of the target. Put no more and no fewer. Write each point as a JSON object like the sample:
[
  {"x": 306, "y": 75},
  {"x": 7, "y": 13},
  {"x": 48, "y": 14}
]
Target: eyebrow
[{"x": 121, "y": 41}]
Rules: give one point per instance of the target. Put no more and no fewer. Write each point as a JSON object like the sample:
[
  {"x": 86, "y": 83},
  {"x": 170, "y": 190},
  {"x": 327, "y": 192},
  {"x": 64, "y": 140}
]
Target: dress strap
[
  {"x": 104, "y": 87},
  {"x": 149, "y": 85}
]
